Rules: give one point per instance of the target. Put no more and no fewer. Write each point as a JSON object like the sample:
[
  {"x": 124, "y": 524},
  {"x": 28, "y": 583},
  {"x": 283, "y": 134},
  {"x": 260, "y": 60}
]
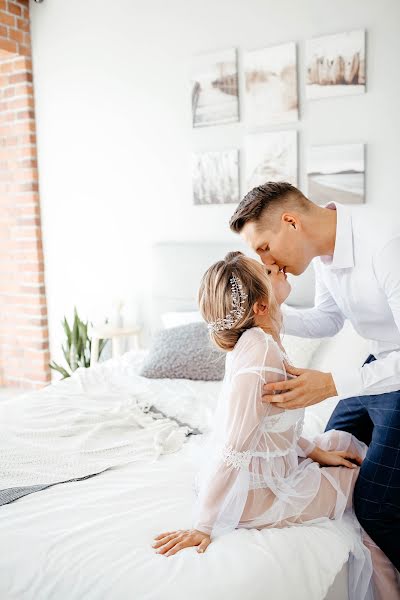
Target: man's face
[{"x": 286, "y": 245}]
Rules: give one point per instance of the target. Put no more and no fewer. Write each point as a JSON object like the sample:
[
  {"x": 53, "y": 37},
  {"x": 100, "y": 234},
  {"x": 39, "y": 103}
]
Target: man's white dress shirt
[{"x": 360, "y": 282}]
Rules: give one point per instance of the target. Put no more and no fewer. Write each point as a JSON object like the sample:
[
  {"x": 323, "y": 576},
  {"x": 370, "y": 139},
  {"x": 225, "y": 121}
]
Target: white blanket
[{"x": 83, "y": 426}]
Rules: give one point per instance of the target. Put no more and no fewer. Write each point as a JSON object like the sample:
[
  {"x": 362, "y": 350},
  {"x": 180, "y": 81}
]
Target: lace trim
[
  {"x": 271, "y": 421},
  {"x": 238, "y": 460},
  {"x": 257, "y": 485},
  {"x": 241, "y": 460},
  {"x": 257, "y": 481}
]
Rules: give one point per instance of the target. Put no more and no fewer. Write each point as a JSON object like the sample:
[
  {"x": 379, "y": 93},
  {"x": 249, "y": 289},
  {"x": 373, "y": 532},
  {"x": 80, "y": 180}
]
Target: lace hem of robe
[
  {"x": 238, "y": 460},
  {"x": 241, "y": 460}
]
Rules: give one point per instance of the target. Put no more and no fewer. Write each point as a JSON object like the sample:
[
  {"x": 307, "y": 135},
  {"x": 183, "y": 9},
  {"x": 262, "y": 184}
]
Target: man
[{"x": 356, "y": 257}]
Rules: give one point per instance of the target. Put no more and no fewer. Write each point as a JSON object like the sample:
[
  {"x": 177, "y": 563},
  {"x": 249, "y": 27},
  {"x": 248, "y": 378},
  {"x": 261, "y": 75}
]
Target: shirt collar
[{"x": 343, "y": 254}]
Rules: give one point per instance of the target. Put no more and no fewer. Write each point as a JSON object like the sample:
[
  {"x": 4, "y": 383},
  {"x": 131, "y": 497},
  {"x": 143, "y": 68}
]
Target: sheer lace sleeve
[
  {"x": 239, "y": 432},
  {"x": 223, "y": 495},
  {"x": 304, "y": 447}
]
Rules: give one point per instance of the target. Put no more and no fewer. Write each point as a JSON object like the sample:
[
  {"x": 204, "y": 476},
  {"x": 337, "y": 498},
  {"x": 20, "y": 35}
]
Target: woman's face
[{"x": 280, "y": 284}]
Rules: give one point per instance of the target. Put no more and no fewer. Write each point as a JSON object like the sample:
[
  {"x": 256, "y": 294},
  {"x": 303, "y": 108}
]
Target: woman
[{"x": 258, "y": 469}]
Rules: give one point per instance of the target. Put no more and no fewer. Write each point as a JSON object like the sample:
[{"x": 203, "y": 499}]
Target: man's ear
[
  {"x": 260, "y": 308},
  {"x": 291, "y": 220}
]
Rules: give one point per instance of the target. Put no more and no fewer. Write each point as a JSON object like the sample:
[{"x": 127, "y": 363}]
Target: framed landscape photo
[
  {"x": 271, "y": 85},
  {"x": 215, "y": 89},
  {"x": 271, "y": 156},
  {"x": 336, "y": 65},
  {"x": 336, "y": 173},
  {"x": 216, "y": 177}
]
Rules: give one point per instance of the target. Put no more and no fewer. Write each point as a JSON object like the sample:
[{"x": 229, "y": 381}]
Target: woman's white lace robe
[{"x": 251, "y": 474}]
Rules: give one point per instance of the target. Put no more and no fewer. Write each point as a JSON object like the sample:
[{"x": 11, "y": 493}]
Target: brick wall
[{"x": 24, "y": 350}]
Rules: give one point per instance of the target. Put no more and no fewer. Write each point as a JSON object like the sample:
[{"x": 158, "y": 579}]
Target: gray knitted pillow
[{"x": 184, "y": 352}]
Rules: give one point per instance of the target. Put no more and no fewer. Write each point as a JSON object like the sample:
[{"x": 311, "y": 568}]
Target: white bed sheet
[{"x": 92, "y": 539}]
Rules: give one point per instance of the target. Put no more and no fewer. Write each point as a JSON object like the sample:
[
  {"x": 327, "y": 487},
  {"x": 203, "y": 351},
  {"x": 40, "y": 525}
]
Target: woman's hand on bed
[
  {"x": 335, "y": 458},
  {"x": 170, "y": 542}
]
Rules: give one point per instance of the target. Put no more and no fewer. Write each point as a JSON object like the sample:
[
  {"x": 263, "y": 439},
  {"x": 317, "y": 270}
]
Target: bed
[{"x": 91, "y": 539}]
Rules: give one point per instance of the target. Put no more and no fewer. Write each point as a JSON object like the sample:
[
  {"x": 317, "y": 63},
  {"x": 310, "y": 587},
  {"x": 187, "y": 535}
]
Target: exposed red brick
[
  {"x": 15, "y": 34},
  {"x": 24, "y": 344},
  {"x": 23, "y": 24},
  {"x": 24, "y": 102},
  {"x": 22, "y": 63},
  {"x": 8, "y": 19},
  {"x": 14, "y": 8},
  {"x": 8, "y": 45}
]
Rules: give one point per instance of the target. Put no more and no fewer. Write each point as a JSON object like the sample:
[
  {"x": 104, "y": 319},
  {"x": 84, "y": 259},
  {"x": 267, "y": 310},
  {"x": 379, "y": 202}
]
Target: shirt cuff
[{"x": 348, "y": 382}]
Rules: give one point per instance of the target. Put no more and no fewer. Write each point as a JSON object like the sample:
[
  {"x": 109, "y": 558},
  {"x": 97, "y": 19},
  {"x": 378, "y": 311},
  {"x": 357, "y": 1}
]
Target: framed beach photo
[
  {"x": 271, "y": 95},
  {"x": 215, "y": 89},
  {"x": 216, "y": 177},
  {"x": 270, "y": 156},
  {"x": 336, "y": 173},
  {"x": 336, "y": 65}
]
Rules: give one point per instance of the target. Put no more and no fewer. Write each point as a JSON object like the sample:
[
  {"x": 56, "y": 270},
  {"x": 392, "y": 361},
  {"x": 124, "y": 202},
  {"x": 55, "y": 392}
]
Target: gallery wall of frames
[{"x": 269, "y": 98}]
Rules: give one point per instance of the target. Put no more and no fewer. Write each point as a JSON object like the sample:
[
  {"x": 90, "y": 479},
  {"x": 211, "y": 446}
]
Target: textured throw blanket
[{"x": 80, "y": 427}]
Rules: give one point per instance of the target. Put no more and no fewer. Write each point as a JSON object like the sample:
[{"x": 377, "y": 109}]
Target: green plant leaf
[
  {"x": 66, "y": 355},
  {"x": 102, "y": 344},
  {"x": 77, "y": 347},
  {"x": 60, "y": 369},
  {"x": 67, "y": 330}
]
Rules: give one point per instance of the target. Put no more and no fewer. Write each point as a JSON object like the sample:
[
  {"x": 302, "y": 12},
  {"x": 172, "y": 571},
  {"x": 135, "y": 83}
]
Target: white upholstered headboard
[{"x": 177, "y": 268}]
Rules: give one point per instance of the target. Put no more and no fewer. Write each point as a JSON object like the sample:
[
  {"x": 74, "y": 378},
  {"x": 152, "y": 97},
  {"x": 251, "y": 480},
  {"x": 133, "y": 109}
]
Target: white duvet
[{"x": 92, "y": 539}]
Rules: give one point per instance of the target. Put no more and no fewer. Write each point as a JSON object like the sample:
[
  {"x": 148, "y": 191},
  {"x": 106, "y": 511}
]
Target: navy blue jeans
[{"x": 375, "y": 420}]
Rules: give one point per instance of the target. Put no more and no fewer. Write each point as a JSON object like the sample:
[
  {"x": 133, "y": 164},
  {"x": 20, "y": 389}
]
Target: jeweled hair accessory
[{"x": 238, "y": 310}]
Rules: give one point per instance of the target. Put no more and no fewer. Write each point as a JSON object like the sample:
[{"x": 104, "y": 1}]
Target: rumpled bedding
[
  {"x": 92, "y": 538},
  {"x": 79, "y": 427}
]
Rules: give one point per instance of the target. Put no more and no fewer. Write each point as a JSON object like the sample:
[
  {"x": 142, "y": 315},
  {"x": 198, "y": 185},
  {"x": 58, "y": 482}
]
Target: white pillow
[
  {"x": 173, "y": 319},
  {"x": 300, "y": 350}
]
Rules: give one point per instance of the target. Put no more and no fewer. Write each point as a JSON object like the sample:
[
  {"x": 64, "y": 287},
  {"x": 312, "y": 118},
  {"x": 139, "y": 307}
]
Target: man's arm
[
  {"x": 378, "y": 377},
  {"x": 382, "y": 375},
  {"x": 325, "y": 319}
]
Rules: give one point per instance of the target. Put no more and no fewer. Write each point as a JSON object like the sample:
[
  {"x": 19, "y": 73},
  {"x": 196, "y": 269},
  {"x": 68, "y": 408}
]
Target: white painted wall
[{"x": 115, "y": 136}]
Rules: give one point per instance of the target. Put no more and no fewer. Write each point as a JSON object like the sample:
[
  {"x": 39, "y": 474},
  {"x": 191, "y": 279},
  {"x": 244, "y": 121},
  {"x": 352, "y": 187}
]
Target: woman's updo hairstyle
[{"x": 215, "y": 295}]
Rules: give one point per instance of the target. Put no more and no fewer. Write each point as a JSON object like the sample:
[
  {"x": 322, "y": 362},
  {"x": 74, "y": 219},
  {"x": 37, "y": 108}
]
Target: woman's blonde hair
[{"x": 215, "y": 297}]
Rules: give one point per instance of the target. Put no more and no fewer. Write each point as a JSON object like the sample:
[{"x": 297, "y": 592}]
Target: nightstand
[{"x": 105, "y": 332}]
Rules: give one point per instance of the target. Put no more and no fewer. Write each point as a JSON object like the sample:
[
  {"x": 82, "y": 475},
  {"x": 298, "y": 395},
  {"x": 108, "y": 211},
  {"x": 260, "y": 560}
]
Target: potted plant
[{"x": 77, "y": 348}]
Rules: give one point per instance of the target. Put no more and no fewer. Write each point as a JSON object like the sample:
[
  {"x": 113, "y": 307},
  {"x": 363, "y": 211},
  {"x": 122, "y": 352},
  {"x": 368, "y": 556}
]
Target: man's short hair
[{"x": 269, "y": 196}]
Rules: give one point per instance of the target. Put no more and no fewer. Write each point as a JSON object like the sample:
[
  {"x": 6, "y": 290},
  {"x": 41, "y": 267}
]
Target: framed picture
[
  {"x": 216, "y": 177},
  {"x": 215, "y": 89},
  {"x": 336, "y": 65},
  {"x": 271, "y": 85},
  {"x": 336, "y": 173},
  {"x": 271, "y": 157}
]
